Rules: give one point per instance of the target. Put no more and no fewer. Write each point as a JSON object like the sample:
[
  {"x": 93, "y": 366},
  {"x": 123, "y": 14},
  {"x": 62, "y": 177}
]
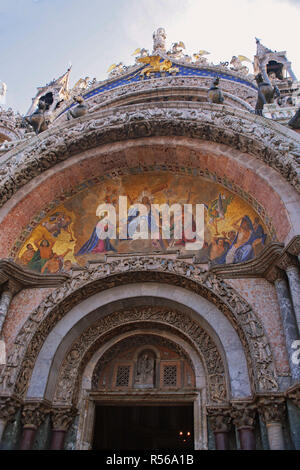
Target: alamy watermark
[{"x": 152, "y": 221}]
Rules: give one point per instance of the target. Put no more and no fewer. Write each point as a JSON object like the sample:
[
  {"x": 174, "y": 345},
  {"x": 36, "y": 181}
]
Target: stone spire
[
  {"x": 52, "y": 93},
  {"x": 269, "y": 63}
]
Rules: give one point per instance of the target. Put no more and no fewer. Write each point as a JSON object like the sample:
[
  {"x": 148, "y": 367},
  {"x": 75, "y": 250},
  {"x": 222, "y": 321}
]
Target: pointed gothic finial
[{"x": 261, "y": 50}]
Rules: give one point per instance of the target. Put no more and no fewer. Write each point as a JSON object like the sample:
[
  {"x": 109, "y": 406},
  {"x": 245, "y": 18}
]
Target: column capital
[
  {"x": 293, "y": 393},
  {"x": 62, "y": 417},
  {"x": 8, "y": 408},
  {"x": 220, "y": 418},
  {"x": 293, "y": 246},
  {"x": 33, "y": 414},
  {"x": 243, "y": 414},
  {"x": 275, "y": 274},
  {"x": 271, "y": 408},
  {"x": 287, "y": 261}
]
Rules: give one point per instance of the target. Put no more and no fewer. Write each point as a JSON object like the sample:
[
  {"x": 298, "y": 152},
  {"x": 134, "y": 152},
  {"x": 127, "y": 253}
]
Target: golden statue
[{"x": 155, "y": 65}]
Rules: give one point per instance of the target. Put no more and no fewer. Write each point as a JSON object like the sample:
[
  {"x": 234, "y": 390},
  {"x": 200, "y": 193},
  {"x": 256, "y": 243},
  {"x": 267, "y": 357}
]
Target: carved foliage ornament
[
  {"x": 272, "y": 409},
  {"x": 208, "y": 122},
  {"x": 62, "y": 417},
  {"x": 220, "y": 419},
  {"x": 8, "y": 408},
  {"x": 243, "y": 415},
  {"x": 139, "y": 269},
  {"x": 33, "y": 414}
]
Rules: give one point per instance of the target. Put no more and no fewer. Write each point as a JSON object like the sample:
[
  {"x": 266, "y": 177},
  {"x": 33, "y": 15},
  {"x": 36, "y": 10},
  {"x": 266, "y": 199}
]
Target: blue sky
[{"x": 40, "y": 37}]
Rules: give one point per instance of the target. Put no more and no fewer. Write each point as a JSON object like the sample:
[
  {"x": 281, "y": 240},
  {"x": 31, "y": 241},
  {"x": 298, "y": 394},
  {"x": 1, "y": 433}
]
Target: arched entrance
[{"x": 145, "y": 396}]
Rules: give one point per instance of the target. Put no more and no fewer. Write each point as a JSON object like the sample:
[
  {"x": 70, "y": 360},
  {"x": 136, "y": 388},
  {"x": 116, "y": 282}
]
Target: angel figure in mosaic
[{"x": 217, "y": 209}]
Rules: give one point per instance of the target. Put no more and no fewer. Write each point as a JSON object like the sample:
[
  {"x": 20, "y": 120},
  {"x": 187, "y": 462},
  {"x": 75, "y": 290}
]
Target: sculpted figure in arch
[{"x": 145, "y": 370}]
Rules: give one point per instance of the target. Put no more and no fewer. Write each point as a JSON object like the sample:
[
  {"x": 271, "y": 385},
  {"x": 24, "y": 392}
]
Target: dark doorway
[{"x": 144, "y": 427}]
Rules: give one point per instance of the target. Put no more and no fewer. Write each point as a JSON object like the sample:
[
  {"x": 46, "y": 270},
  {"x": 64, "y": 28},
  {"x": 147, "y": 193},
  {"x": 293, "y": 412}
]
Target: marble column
[
  {"x": 5, "y": 301},
  {"x": 10, "y": 289},
  {"x": 3, "y": 423},
  {"x": 220, "y": 421},
  {"x": 272, "y": 410},
  {"x": 243, "y": 414},
  {"x": 293, "y": 275},
  {"x": 293, "y": 409},
  {"x": 8, "y": 409},
  {"x": 289, "y": 322},
  {"x": 28, "y": 436},
  {"x": 247, "y": 438},
  {"x": 61, "y": 418},
  {"x": 33, "y": 414}
]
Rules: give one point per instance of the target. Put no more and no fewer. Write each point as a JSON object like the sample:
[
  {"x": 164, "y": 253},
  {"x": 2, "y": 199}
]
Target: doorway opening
[{"x": 144, "y": 427}]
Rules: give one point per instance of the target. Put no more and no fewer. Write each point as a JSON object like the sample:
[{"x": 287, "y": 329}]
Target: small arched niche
[{"x": 144, "y": 362}]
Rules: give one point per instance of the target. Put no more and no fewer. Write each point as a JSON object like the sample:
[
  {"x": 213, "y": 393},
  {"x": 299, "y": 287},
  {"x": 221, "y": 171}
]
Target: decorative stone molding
[
  {"x": 244, "y": 93},
  {"x": 97, "y": 334},
  {"x": 62, "y": 418},
  {"x": 19, "y": 278},
  {"x": 8, "y": 408},
  {"x": 287, "y": 260},
  {"x": 258, "y": 267},
  {"x": 274, "y": 274},
  {"x": 95, "y": 278},
  {"x": 271, "y": 408},
  {"x": 284, "y": 259},
  {"x": 220, "y": 418},
  {"x": 33, "y": 414},
  {"x": 270, "y": 142},
  {"x": 293, "y": 246},
  {"x": 243, "y": 414}
]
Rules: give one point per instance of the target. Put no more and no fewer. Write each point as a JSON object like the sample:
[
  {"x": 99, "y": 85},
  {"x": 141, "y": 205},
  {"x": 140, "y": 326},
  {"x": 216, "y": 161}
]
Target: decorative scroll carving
[
  {"x": 62, "y": 418},
  {"x": 33, "y": 414},
  {"x": 272, "y": 408},
  {"x": 220, "y": 419},
  {"x": 95, "y": 278},
  {"x": 94, "y": 336},
  {"x": 230, "y": 127}
]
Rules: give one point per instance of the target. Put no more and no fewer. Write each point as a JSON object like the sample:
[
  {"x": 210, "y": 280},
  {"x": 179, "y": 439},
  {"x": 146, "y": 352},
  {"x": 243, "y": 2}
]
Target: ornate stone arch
[
  {"x": 96, "y": 278},
  {"x": 163, "y": 320},
  {"x": 270, "y": 142}
]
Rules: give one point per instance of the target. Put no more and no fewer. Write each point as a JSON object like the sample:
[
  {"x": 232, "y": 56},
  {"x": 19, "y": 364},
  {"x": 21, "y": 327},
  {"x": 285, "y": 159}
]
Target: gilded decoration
[{"x": 70, "y": 234}]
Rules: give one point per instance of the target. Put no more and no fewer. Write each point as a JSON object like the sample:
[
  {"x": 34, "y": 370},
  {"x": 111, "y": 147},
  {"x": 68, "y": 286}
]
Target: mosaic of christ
[{"x": 70, "y": 234}]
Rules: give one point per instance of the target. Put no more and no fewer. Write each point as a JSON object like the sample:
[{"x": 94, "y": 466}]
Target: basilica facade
[{"x": 110, "y": 340}]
